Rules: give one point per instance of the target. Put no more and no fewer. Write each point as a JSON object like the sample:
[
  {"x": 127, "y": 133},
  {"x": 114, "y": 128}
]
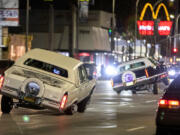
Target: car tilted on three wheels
[
  {"x": 140, "y": 74},
  {"x": 43, "y": 79}
]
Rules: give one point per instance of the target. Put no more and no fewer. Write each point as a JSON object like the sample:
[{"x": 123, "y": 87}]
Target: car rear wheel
[
  {"x": 6, "y": 104},
  {"x": 166, "y": 81},
  {"x": 155, "y": 89},
  {"x": 118, "y": 92},
  {"x": 72, "y": 109}
]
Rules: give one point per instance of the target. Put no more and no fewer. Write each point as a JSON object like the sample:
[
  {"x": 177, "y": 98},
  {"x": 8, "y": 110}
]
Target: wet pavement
[{"x": 107, "y": 114}]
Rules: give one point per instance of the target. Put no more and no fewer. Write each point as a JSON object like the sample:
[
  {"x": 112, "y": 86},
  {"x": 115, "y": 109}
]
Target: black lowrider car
[{"x": 139, "y": 74}]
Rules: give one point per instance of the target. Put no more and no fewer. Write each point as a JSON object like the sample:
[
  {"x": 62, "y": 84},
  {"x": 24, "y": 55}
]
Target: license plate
[
  {"x": 129, "y": 83},
  {"x": 29, "y": 99}
]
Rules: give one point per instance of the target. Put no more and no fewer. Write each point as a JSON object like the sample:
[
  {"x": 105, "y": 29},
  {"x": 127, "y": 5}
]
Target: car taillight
[
  {"x": 173, "y": 102},
  {"x": 163, "y": 103},
  {"x": 63, "y": 101},
  {"x": 147, "y": 74},
  {"x": 1, "y": 81},
  {"x": 163, "y": 76},
  {"x": 94, "y": 73},
  {"x": 112, "y": 83}
]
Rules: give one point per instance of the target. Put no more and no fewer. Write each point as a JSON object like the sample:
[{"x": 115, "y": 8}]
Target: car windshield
[
  {"x": 131, "y": 66},
  {"x": 153, "y": 61},
  {"x": 46, "y": 67},
  {"x": 176, "y": 67}
]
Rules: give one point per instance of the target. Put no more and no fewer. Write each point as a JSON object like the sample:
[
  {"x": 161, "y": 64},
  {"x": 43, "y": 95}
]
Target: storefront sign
[
  {"x": 146, "y": 27},
  {"x": 164, "y": 27},
  {"x": 9, "y": 17},
  {"x": 83, "y": 10}
]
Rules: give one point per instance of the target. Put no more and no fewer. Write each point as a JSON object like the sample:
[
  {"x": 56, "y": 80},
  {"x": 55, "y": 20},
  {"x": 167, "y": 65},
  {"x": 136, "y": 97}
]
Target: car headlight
[
  {"x": 110, "y": 70},
  {"x": 172, "y": 72}
]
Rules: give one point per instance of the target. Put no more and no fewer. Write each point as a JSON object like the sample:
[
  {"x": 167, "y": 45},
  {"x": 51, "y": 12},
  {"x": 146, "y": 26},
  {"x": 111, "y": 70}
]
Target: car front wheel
[
  {"x": 6, "y": 104},
  {"x": 82, "y": 105}
]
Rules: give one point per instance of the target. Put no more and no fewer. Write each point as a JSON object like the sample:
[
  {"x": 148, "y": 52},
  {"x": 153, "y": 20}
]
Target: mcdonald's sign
[{"x": 147, "y": 27}]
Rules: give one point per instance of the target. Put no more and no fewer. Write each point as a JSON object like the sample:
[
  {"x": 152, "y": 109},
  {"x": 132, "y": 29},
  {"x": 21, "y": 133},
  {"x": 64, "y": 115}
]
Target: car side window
[{"x": 82, "y": 74}]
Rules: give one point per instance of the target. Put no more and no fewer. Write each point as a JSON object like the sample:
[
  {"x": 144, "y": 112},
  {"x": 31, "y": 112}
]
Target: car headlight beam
[{"x": 172, "y": 72}]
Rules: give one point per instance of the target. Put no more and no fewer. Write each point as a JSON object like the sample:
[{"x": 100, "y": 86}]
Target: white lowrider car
[
  {"x": 43, "y": 79},
  {"x": 139, "y": 74}
]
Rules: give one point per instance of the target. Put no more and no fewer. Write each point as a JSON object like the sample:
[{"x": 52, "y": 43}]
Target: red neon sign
[
  {"x": 146, "y": 27},
  {"x": 84, "y": 54},
  {"x": 164, "y": 27}
]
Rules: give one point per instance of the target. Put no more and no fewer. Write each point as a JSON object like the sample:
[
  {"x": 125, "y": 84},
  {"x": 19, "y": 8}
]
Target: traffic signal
[
  {"x": 174, "y": 51},
  {"x": 110, "y": 31}
]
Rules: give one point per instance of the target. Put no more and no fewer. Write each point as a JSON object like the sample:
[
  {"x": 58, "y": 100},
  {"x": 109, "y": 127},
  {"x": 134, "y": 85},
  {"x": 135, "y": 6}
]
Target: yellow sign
[{"x": 154, "y": 14}]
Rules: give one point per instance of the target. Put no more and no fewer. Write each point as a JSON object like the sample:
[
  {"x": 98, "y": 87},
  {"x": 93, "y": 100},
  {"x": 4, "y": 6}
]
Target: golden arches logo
[{"x": 154, "y": 14}]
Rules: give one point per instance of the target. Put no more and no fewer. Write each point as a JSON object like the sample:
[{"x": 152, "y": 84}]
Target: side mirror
[{"x": 90, "y": 77}]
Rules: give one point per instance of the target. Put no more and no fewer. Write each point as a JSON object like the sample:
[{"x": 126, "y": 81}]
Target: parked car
[
  {"x": 168, "y": 112},
  {"x": 139, "y": 74},
  {"x": 174, "y": 71},
  {"x": 44, "y": 79}
]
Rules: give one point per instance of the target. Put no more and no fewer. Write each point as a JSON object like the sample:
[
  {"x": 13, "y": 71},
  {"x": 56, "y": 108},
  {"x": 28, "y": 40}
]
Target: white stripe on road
[
  {"x": 134, "y": 129},
  {"x": 150, "y": 101},
  {"x": 110, "y": 126}
]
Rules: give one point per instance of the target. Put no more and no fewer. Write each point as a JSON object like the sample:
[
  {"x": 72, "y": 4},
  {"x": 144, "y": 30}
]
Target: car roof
[
  {"x": 57, "y": 59},
  {"x": 133, "y": 61},
  {"x": 52, "y": 58}
]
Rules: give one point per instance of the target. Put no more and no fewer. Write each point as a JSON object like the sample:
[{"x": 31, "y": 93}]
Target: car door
[{"x": 84, "y": 82}]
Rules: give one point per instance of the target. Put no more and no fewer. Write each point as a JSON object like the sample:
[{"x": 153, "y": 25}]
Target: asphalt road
[{"x": 107, "y": 114}]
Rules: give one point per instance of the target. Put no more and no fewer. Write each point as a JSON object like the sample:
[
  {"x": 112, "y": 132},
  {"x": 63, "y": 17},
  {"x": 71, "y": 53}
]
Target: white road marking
[
  {"x": 134, "y": 129},
  {"x": 151, "y": 101},
  {"x": 110, "y": 126}
]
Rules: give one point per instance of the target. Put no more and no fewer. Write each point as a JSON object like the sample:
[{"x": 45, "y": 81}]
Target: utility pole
[
  {"x": 175, "y": 33},
  {"x": 73, "y": 30},
  {"x": 27, "y": 24},
  {"x": 112, "y": 26},
  {"x": 51, "y": 27}
]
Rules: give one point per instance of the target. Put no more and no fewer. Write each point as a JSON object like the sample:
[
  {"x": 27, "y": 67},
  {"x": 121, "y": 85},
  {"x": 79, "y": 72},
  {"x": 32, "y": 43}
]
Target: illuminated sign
[
  {"x": 154, "y": 15},
  {"x": 84, "y": 54},
  {"x": 9, "y": 12},
  {"x": 145, "y": 27},
  {"x": 164, "y": 27},
  {"x": 9, "y": 17}
]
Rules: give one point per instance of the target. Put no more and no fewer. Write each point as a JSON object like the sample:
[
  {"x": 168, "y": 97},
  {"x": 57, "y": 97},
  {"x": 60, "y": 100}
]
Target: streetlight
[
  {"x": 135, "y": 32},
  {"x": 171, "y": 16}
]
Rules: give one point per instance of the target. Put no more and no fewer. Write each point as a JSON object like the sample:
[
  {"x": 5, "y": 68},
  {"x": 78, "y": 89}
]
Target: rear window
[
  {"x": 131, "y": 66},
  {"x": 46, "y": 67},
  {"x": 174, "y": 86}
]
